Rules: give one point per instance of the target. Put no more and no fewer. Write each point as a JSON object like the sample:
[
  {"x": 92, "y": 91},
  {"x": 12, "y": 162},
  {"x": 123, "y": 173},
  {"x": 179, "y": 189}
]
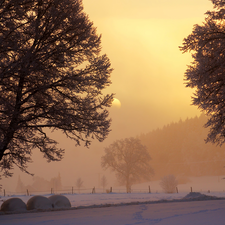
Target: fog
[{"x": 141, "y": 39}]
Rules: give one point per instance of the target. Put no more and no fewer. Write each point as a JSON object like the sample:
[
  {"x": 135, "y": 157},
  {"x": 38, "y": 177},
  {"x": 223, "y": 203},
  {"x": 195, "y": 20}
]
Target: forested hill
[{"x": 180, "y": 149}]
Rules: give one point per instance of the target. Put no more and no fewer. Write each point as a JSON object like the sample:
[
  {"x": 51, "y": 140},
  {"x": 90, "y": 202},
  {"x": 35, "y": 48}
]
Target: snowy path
[{"x": 172, "y": 213}]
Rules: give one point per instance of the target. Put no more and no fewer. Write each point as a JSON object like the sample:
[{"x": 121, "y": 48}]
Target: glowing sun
[{"x": 116, "y": 103}]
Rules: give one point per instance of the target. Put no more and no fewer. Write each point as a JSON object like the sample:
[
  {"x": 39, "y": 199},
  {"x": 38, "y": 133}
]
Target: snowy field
[
  {"x": 129, "y": 209},
  {"x": 183, "y": 208}
]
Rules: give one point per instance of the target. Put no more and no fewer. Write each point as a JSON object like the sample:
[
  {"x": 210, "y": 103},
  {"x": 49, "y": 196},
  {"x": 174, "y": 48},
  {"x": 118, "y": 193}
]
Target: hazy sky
[{"x": 141, "y": 38}]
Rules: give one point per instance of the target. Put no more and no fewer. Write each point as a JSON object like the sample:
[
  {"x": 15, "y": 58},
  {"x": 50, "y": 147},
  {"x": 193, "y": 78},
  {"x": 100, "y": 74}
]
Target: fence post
[
  {"x": 4, "y": 192},
  {"x": 177, "y": 189},
  {"x": 72, "y": 190},
  {"x": 191, "y": 189},
  {"x": 149, "y": 189},
  {"x": 27, "y": 192},
  {"x": 93, "y": 190},
  {"x": 110, "y": 189}
]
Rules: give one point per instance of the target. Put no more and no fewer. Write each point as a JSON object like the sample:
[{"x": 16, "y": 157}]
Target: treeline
[
  {"x": 40, "y": 184},
  {"x": 180, "y": 149}
]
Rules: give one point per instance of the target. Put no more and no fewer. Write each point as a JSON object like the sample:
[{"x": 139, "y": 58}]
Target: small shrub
[{"x": 169, "y": 184}]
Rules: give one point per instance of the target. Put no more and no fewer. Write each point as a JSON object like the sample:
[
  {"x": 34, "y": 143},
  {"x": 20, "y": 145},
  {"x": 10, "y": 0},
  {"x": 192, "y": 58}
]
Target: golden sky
[{"x": 141, "y": 38}]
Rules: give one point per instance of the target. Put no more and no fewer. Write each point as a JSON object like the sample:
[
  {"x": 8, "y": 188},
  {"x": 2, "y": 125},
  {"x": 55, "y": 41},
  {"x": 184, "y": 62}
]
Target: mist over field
[
  {"x": 177, "y": 149},
  {"x": 142, "y": 42}
]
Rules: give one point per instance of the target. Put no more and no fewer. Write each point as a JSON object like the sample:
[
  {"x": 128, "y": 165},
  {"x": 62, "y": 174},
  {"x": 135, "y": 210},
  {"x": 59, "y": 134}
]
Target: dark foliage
[
  {"x": 206, "y": 73},
  {"x": 51, "y": 78}
]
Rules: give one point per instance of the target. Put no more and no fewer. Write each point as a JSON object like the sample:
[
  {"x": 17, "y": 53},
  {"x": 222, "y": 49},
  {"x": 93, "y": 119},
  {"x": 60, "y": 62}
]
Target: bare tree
[
  {"x": 169, "y": 183},
  {"x": 129, "y": 159},
  {"x": 51, "y": 78},
  {"x": 103, "y": 182},
  {"x": 56, "y": 183},
  {"x": 206, "y": 73},
  {"x": 20, "y": 186},
  {"x": 79, "y": 184}
]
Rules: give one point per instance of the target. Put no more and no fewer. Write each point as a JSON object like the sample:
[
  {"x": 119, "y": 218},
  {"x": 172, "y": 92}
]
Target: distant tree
[
  {"x": 51, "y": 78},
  {"x": 169, "y": 183},
  {"x": 39, "y": 184},
  {"x": 20, "y": 186},
  {"x": 56, "y": 183},
  {"x": 103, "y": 182},
  {"x": 129, "y": 159},
  {"x": 207, "y": 71},
  {"x": 79, "y": 184}
]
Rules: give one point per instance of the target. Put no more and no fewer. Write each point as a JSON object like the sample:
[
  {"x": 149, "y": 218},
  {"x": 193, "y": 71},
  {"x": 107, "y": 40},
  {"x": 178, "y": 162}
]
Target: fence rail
[{"x": 72, "y": 190}]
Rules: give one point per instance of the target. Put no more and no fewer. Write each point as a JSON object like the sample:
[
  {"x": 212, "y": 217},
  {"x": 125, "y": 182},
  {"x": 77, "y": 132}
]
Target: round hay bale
[
  {"x": 39, "y": 202},
  {"x": 13, "y": 204},
  {"x": 59, "y": 201}
]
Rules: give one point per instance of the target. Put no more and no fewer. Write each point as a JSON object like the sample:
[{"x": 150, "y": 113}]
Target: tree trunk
[
  {"x": 1, "y": 154},
  {"x": 128, "y": 185}
]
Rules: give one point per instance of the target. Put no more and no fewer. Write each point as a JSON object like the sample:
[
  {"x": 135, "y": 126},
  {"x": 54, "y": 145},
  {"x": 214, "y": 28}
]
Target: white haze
[{"x": 148, "y": 81}]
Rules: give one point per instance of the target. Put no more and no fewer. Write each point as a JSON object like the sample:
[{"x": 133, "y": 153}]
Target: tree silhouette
[
  {"x": 51, "y": 78},
  {"x": 206, "y": 73},
  {"x": 169, "y": 183},
  {"x": 103, "y": 182},
  {"x": 79, "y": 184},
  {"x": 129, "y": 159},
  {"x": 20, "y": 186},
  {"x": 56, "y": 183}
]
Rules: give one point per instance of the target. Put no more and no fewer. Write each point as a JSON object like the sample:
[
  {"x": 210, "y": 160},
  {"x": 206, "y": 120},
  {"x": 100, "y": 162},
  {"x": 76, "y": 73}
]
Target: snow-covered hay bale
[
  {"x": 59, "y": 201},
  {"x": 13, "y": 204},
  {"x": 39, "y": 202}
]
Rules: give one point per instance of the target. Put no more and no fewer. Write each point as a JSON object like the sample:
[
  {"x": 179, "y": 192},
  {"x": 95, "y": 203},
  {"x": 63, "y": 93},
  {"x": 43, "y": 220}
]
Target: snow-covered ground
[
  {"x": 183, "y": 208},
  {"x": 92, "y": 200},
  {"x": 182, "y": 213},
  {"x": 134, "y": 208}
]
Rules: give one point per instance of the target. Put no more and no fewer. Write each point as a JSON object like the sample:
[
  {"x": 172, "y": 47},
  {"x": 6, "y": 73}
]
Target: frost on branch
[
  {"x": 206, "y": 74},
  {"x": 169, "y": 184},
  {"x": 51, "y": 78},
  {"x": 130, "y": 160}
]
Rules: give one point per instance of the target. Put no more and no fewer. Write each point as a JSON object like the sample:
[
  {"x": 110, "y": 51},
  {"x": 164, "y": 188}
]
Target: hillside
[{"x": 180, "y": 149}]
